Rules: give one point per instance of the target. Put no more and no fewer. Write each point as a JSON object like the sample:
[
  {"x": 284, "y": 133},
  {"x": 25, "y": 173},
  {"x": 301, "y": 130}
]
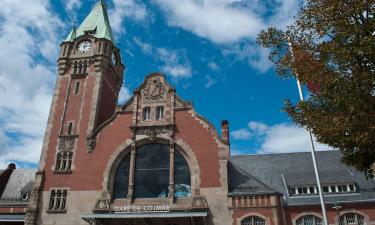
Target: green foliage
[{"x": 333, "y": 45}]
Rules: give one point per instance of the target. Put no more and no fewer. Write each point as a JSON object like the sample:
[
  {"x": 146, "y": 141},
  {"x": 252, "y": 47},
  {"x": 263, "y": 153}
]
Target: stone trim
[{"x": 47, "y": 136}]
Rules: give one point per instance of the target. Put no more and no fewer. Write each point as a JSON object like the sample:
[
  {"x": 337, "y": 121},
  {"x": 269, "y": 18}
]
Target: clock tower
[{"x": 89, "y": 79}]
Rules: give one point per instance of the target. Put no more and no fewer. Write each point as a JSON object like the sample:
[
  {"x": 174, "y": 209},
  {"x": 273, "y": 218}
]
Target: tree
[{"x": 333, "y": 45}]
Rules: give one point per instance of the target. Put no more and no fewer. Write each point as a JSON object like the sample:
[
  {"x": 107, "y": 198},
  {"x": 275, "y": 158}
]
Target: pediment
[{"x": 154, "y": 89}]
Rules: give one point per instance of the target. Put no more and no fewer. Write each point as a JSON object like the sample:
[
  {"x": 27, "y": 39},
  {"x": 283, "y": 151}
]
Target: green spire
[
  {"x": 72, "y": 35},
  {"x": 96, "y": 24}
]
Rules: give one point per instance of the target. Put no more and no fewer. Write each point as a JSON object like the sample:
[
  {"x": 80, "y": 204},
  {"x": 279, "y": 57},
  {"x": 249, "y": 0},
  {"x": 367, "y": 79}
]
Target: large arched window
[
  {"x": 309, "y": 220},
  {"x": 152, "y": 173},
  {"x": 351, "y": 218},
  {"x": 253, "y": 220}
]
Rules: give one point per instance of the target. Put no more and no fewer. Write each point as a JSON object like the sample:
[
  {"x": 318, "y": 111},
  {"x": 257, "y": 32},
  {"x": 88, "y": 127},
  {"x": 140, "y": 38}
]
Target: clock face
[{"x": 84, "y": 46}]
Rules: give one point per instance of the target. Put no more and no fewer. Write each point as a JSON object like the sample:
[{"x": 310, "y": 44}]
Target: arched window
[
  {"x": 351, "y": 218},
  {"x": 151, "y": 173},
  {"x": 253, "y": 220},
  {"x": 122, "y": 179},
  {"x": 309, "y": 220},
  {"x": 181, "y": 176}
]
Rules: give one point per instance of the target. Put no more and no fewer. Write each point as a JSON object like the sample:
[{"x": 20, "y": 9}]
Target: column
[
  {"x": 131, "y": 172},
  {"x": 171, "y": 171}
]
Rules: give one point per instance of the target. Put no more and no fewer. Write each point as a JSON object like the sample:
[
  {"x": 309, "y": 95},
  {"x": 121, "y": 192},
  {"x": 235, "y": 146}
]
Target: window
[
  {"x": 327, "y": 189},
  {"x": 122, "y": 179},
  {"x": 76, "y": 88},
  {"x": 70, "y": 127},
  {"x": 64, "y": 161},
  {"x": 309, "y": 220},
  {"x": 181, "y": 176},
  {"x": 159, "y": 113},
  {"x": 146, "y": 113},
  {"x": 253, "y": 220},
  {"x": 57, "y": 200},
  {"x": 351, "y": 218},
  {"x": 25, "y": 196},
  {"x": 152, "y": 173}
]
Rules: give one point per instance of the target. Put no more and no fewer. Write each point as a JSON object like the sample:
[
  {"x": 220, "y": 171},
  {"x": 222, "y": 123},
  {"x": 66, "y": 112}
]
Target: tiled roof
[
  {"x": 277, "y": 171},
  {"x": 20, "y": 180}
]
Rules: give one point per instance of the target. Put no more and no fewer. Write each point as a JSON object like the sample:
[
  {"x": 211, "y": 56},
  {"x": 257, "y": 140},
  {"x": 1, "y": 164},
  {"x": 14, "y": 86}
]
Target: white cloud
[
  {"x": 233, "y": 24},
  {"x": 218, "y": 21},
  {"x": 277, "y": 138},
  {"x": 71, "y": 5},
  {"x": 124, "y": 95},
  {"x": 173, "y": 62},
  {"x": 210, "y": 81},
  {"x": 256, "y": 56},
  {"x": 213, "y": 66},
  {"x": 29, "y": 41},
  {"x": 241, "y": 134},
  {"x": 126, "y": 9}
]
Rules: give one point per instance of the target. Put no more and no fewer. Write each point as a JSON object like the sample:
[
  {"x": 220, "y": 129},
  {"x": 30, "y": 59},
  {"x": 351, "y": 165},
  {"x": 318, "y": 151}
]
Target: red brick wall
[
  {"x": 204, "y": 146},
  {"x": 107, "y": 99},
  {"x": 89, "y": 167}
]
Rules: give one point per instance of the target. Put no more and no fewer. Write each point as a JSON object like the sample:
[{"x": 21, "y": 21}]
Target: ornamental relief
[{"x": 154, "y": 92}]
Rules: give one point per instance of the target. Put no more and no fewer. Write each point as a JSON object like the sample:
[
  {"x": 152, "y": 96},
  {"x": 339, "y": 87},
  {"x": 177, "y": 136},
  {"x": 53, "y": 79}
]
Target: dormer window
[
  {"x": 146, "y": 113},
  {"x": 25, "y": 196},
  {"x": 159, "y": 113},
  {"x": 327, "y": 189},
  {"x": 90, "y": 31}
]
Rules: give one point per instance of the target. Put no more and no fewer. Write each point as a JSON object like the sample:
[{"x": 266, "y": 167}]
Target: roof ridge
[{"x": 284, "y": 153}]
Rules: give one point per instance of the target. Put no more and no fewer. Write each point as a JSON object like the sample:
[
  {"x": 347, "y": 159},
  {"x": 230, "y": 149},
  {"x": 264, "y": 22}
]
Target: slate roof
[
  {"x": 277, "y": 171},
  {"x": 20, "y": 181}
]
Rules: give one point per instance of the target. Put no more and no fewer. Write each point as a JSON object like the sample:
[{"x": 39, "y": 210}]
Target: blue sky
[{"x": 206, "y": 48}]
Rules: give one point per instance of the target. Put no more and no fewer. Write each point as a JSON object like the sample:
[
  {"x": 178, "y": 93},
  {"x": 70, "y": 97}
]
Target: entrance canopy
[{"x": 146, "y": 217}]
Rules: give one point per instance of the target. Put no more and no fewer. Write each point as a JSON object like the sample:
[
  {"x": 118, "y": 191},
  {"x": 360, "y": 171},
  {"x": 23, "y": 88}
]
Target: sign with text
[{"x": 141, "y": 208}]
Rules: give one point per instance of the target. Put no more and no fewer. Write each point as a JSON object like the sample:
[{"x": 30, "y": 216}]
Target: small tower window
[
  {"x": 159, "y": 113},
  {"x": 76, "y": 88},
  {"x": 146, "y": 113},
  {"x": 70, "y": 127}
]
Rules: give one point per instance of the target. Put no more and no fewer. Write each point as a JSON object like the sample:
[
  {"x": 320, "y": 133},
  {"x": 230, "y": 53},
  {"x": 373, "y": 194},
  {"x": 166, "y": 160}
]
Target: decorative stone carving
[
  {"x": 66, "y": 143},
  {"x": 200, "y": 202},
  {"x": 154, "y": 92},
  {"x": 102, "y": 205},
  {"x": 91, "y": 144}
]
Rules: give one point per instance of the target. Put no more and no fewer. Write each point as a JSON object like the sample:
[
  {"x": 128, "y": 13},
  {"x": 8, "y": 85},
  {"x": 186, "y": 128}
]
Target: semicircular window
[
  {"x": 181, "y": 176},
  {"x": 122, "y": 179},
  {"x": 152, "y": 171},
  {"x": 309, "y": 220}
]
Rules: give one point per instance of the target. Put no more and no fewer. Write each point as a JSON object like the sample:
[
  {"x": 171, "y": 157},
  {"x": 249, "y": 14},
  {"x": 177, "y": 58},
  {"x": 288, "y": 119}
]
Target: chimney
[{"x": 225, "y": 131}]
